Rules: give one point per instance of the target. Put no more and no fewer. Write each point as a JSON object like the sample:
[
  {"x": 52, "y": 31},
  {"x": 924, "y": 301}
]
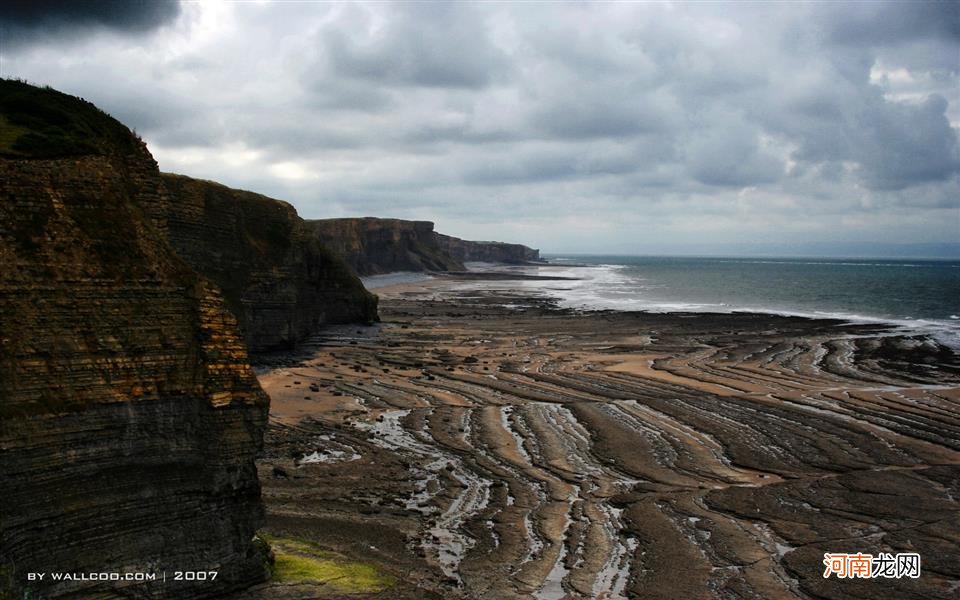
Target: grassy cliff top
[{"x": 44, "y": 123}]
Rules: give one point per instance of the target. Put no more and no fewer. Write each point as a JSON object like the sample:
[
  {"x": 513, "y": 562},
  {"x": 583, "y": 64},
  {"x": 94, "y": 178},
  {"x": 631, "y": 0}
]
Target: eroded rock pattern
[{"x": 491, "y": 446}]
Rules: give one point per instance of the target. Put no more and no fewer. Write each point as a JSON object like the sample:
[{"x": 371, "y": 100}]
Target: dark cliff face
[
  {"x": 130, "y": 415},
  {"x": 468, "y": 251},
  {"x": 372, "y": 246},
  {"x": 277, "y": 278}
]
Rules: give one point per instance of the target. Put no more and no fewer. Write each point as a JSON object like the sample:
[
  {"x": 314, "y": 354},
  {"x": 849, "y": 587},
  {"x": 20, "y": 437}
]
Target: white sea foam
[{"x": 619, "y": 287}]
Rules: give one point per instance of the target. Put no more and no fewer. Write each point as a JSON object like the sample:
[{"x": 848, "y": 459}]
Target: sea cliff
[
  {"x": 130, "y": 414},
  {"x": 496, "y": 252},
  {"x": 373, "y": 246},
  {"x": 278, "y": 279},
  {"x": 128, "y": 303}
]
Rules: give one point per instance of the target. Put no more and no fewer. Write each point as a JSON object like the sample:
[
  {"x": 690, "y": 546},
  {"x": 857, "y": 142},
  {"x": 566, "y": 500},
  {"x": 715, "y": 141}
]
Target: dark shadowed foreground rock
[
  {"x": 277, "y": 277},
  {"x": 372, "y": 246},
  {"x": 130, "y": 415}
]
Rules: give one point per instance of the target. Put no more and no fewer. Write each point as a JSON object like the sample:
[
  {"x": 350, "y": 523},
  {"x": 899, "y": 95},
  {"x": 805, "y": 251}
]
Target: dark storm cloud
[
  {"x": 922, "y": 34},
  {"x": 585, "y": 118},
  {"x": 435, "y": 134},
  {"x": 905, "y": 145},
  {"x": 731, "y": 156},
  {"x": 552, "y": 164},
  {"x": 895, "y": 144},
  {"x": 421, "y": 44},
  {"x": 885, "y": 23},
  {"x": 23, "y": 21},
  {"x": 680, "y": 120},
  {"x": 349, "y": 96}
]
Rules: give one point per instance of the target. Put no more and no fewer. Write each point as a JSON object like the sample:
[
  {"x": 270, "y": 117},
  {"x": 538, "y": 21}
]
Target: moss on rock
[{"x": 302, "y": 561}]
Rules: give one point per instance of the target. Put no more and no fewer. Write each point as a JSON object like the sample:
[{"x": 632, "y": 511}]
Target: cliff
[
  {"x": 277, "y": 277},
  {"x": 372, "y": 246},
  {"x": 130, "y": 415},
  {"x": 496, "y": 252}
]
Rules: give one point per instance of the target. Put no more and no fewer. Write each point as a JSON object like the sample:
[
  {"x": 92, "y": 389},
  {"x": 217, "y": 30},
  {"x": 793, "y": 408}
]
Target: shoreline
[
  {"x": 931, "y": 328},
  {"x": 486, "y": 443}
]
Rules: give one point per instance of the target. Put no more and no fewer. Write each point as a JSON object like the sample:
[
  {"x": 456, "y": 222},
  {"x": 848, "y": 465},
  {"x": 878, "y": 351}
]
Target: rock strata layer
[
  {"x": 279, "y": 280},
  {"x": 484, "y": 443},
  {"x": 496, "y": 252},
  {"x": 373, "y": 246},
  {"x": 129, "y": 415}
]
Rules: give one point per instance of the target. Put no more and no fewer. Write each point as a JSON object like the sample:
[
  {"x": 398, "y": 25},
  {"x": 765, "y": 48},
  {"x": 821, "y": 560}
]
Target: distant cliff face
[
  {"x": 467, "y": 251},
  {"x": 372, "y": 246},
  {"x": 277, "y": 277},
  {"x": 130, "y": 415}
]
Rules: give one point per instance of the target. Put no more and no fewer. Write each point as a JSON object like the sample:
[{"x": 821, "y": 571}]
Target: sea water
[{"x": 922, "y": 295}]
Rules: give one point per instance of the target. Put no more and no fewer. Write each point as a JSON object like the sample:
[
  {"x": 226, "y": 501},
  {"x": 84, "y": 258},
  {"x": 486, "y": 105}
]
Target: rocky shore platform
[{"x": 488, "y": 444}]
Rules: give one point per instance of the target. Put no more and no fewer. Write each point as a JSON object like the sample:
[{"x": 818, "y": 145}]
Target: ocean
[{"x": 918, "y": 295}]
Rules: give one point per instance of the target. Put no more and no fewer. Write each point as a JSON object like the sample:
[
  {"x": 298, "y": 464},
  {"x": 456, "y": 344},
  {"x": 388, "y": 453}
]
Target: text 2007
[{"x": 194, "y": 575}]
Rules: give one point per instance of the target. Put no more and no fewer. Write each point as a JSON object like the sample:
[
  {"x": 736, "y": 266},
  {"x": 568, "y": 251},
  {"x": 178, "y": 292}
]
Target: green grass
[
  {"x": 302, "y": 561},
  {"x": 44, "y": 123},
  {"x": 9, "y": 134}
]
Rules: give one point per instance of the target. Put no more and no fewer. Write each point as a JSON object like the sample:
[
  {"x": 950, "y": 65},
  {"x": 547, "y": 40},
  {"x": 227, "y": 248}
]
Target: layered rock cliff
[
  {"x": 130, "y": 415},
  {"x": 277, "y": 277},
  {"x": 372, "y": 246},
  {"x": 496, "y": 252}
]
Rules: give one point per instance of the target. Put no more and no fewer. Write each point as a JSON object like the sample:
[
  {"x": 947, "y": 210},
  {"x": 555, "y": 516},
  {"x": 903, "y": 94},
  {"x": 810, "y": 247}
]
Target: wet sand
[{"x": 482, "y": 443}]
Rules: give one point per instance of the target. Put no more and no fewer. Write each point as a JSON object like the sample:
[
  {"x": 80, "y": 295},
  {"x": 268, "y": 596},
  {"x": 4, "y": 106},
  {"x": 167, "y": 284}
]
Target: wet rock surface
[{"x": 489, "y": 445}]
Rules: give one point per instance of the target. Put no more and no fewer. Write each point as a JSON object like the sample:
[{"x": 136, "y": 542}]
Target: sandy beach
[{"x": 481, "y": 442}]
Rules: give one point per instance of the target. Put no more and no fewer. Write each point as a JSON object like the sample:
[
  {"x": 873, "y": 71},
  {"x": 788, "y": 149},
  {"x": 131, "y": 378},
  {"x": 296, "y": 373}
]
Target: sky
[{"x": 613, "y": 127}]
